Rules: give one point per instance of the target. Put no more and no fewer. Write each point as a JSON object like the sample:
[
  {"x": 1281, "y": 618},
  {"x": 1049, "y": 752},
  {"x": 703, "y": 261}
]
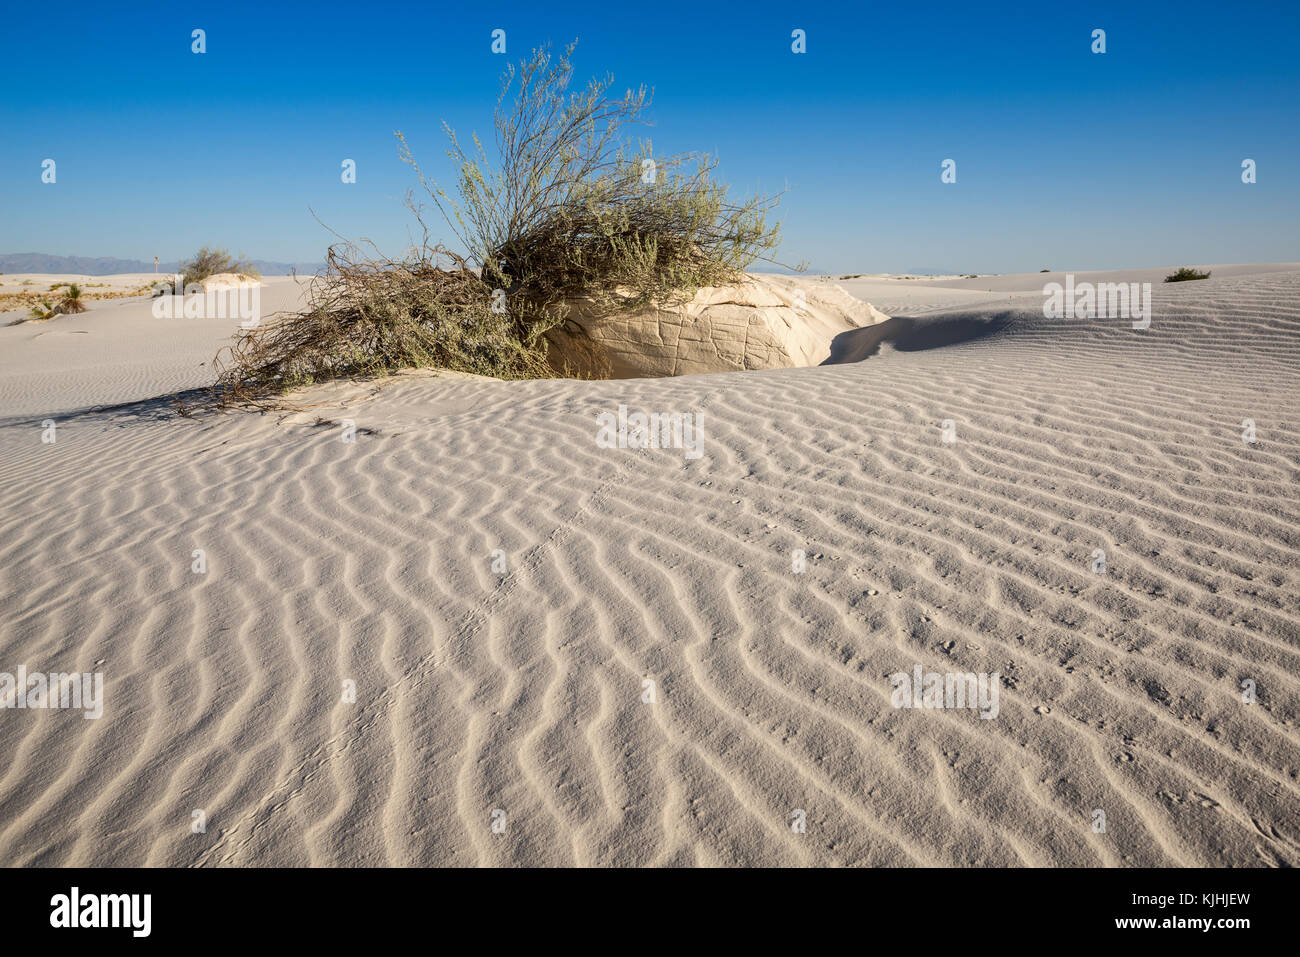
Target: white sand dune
[
  {"x": 115, "y": 352},
  {"x": 42, "y": 281},
  {"x": 523, "y": 692},
  {"x": 917, "y": 294}
]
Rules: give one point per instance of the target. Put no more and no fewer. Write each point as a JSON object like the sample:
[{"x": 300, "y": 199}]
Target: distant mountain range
[{"x": 107, "y": 265}]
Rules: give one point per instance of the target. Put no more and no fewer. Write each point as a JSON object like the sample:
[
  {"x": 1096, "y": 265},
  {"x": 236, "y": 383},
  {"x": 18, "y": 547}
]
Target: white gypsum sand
[{"x": 517, "y": 694}]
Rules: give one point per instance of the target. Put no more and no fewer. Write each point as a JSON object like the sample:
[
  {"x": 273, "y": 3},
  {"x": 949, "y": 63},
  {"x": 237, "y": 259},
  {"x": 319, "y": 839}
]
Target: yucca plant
[
  {"x": 71, "y": 301},
  {"x": 43, "y": 310}
]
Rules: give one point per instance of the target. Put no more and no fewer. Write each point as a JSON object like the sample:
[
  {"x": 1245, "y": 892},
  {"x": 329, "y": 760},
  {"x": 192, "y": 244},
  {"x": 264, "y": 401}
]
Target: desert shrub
[
  {"x": 1185, "y": 274},
  {"x": 369, "y": 315},
  {"x": 209, "y": 262},
  {"x": 570, "y": 209},
  {"x": 72, "y": 301}
]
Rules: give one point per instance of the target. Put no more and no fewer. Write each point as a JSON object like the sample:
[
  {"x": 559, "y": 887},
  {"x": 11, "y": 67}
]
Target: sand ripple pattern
[{"x": 521, "y": 692}]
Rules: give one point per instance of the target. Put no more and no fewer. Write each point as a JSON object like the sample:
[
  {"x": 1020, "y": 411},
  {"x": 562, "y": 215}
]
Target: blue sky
[{"x": 1065, "y": 159}]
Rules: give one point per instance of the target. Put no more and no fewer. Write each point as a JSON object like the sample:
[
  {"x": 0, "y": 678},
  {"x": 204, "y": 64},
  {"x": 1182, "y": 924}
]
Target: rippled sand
[{"x": 517, "y": 698}]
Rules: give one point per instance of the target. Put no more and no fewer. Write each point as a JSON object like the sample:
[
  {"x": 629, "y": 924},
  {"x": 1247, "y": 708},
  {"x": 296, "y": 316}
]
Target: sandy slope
[
  {"x": 41, "y": 281},
  {"x": 918, "y": 294},
  {"x": 523, "y": 692},
  {"x": 115, "y": 352}
]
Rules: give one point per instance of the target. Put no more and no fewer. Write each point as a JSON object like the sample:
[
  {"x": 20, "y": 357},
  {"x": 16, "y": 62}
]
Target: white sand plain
[{"x": 519, "y": 698}]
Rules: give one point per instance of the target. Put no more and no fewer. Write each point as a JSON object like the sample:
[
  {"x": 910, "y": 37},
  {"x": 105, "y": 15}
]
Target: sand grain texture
[{"x": 523, "y": 692}]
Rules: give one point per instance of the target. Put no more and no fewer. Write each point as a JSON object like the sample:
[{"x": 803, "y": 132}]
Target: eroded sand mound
[
  {"x": 230, "y": 280},
  {"x": 763, "y": 323}
]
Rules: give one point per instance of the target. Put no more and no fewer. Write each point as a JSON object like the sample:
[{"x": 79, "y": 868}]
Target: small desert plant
[
  {"x": 1184, "y": 274},
  {"x": 209, "y": 262},
  {"x": 43, "y": 310},
  {"x": 370, "y": 315},
  {"x": 71, "y": 301}
]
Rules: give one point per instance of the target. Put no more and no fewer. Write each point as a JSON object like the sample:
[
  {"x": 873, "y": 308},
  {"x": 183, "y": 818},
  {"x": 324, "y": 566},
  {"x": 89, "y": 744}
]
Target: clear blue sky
[{"x": 1065, "y": 159}]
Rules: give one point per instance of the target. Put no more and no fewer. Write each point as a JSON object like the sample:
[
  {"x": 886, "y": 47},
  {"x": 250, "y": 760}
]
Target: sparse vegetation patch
[
  {"x": 569, "y": 208},
  {"x": 1185, "y": 274}
]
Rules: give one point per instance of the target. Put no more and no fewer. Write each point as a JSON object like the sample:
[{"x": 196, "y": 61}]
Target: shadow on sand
[
  {"x": 914, "y": 334},
  {"x": 159, "y": 409}
]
